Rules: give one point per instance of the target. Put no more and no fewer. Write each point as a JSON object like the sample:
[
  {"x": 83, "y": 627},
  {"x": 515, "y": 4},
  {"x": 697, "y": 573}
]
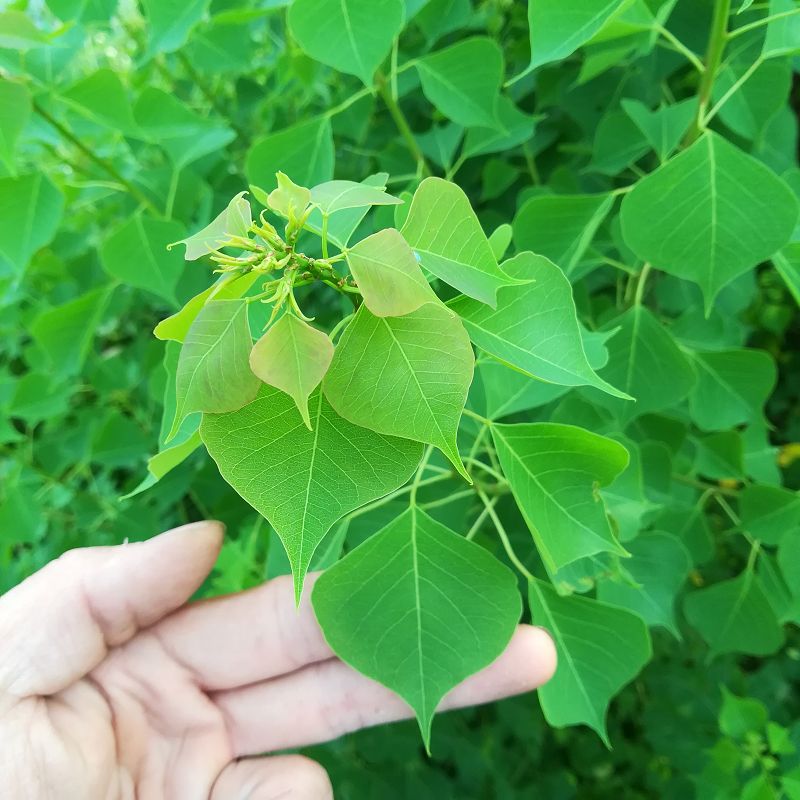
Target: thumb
[
  {"x": 271, "y": 777},
  {"x": 60, "y": 623}
]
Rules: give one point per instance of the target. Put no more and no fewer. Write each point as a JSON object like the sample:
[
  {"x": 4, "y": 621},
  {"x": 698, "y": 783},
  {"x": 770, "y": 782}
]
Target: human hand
[{"x": 112, "y": 688}]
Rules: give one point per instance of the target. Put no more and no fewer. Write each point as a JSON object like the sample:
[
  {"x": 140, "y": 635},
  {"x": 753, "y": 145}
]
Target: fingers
[
  {"x": 293, "y": 777},
  {"x": 329, "y": 699},
  {"x": 59, "y": 624},
  {"x": 246, "y": 638}
]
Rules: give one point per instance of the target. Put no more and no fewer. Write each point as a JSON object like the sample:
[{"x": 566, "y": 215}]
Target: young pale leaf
[
  {"x": 213, "y": 373},
  {"x": 136, "y": 253},
  {"x": 404, "y": 376},
  {"x": 769, "y": 513},
  {"x": 645, "y": 362},
  {"x": 15, "y": 111},
  {"x": 559, "y": 27},
  {"x": 293, "y": 357},
  {"x": 659, "y": 565},
  {"x": 342, "y": 226},
  {"x": 17, "y": 32},
  {"x": 352, "y": 36},
  {"x": 600, "y": 649},
  {"x": 553, "y": 471},
  {"x": 420, "y": 596},
  {"x": 334, "y": 196},
  {"x": 289, "y": 200},
  {"x": 687, "y": 218},
  {"x": 463, "y": 81},
  {"x": 665, "y": 127},
  {"x": 235, "y": 220},
  {"x": 304, "y": 151},
  {"x": 535, "y": 327},
  {"x": 560, "y": 227},
  {"x": 23, "y": 200},
  {"x": 735, "y": 616},
  {"x": 444, "y": 231},
  {"x": 732, "y": 387},
  {"x": 175, "y": 327},
  {"x": 302, "y": 481},
  {"x": 388, "y": 275}
]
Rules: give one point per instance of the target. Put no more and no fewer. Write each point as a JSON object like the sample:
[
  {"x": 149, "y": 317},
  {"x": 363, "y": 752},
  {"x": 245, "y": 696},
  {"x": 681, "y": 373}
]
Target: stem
[
  {"x": 418, "y": 477},
  {"x": 764, "y": 21},
  {"x": 402, "y": 124},
  {"x": 486, "y": 468},
  {"x": 345, "y": 104},
  {"x": 681, "y": 48},
  {"x": 705, "y": 487},
  {"x": 637, "y": 299},
  {"x": 469, "y": 413},
  {"x": 716, "y": 46},
  {"x": 324, "y": 235},
  {"x": 476, "y": 526},
  {"x": 395, "y": 494},
  {"x": 338, "y": 326},
  {"x": 132, "y": 190},
  {"x": 451, "y": 498},
  {"x": 501, "y": 532},
  {"x": 733, "y": 89}
]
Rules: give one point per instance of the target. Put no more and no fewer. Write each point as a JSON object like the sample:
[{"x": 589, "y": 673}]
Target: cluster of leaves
[{"x": 559, "y": 356}]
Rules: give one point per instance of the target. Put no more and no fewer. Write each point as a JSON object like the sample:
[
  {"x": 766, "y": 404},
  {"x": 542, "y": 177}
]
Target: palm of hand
[{"x": 106, "y": 691}]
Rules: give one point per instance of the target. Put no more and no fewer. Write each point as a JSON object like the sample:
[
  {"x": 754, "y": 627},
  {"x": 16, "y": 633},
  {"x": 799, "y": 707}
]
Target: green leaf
[
  {"x": 600, "y": 649},
  {"x": 444, "y": 231},
  {"x": 302, "y": 481},
  {"x": 345, "y": 34},
  {"x": 769, "y": 513},
  {"x": 334, "y": 196},
  {"x": 17, "y": 32},
  {"x": 102, "y": 98},
  {"x": 136, "y": 253},
  {"x": 175, "y": 327},
  {"x": 169, "y": 23},
  {"x": 65, "y": 332},
  {"x": 388, "y": 275},
  {"x": 687, "y": 218},
  {"x": 463, "y": 81},
  {"x": 659, "y": 565},
  {"x": 734, "y": 616},
  {"x": 783, "y": 34},
  {"x": 304, "y": 151},
  {"x": 749, "y": 110},
  {"x": 739, "y": 716},
  {"x": 235, "y": 220},
  {"x": 553, "y": 471},
  {"x": 720, "y": 455},
  {"x": 513, "y": 128},
  {"x": 618, "y": 143},
  {"x": 559, "y": 27},
  {"x": 560, "y": 227},
  {"x": 15, "y": 111},
  {"x": 535, "y": 327},
  {"x": 182, "y": 134},
  {"x": 213, "y": 373},
  {"x": 293, "y": 357},
  {"x": 645, "y": 362},
  {"x": 500, "y": 239},
  {"x": 387, "y": 376},
  {"x": 30, "y": 212},
  {"x": 419, "y": 609},
  {"x": 665, "y": 127},
  {"x": 732, "y": 387},
  {"x": 787, "y": 263}
]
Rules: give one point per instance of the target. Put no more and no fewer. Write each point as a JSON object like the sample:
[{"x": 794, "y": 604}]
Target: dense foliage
[{"x": 486, "y": 309}]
